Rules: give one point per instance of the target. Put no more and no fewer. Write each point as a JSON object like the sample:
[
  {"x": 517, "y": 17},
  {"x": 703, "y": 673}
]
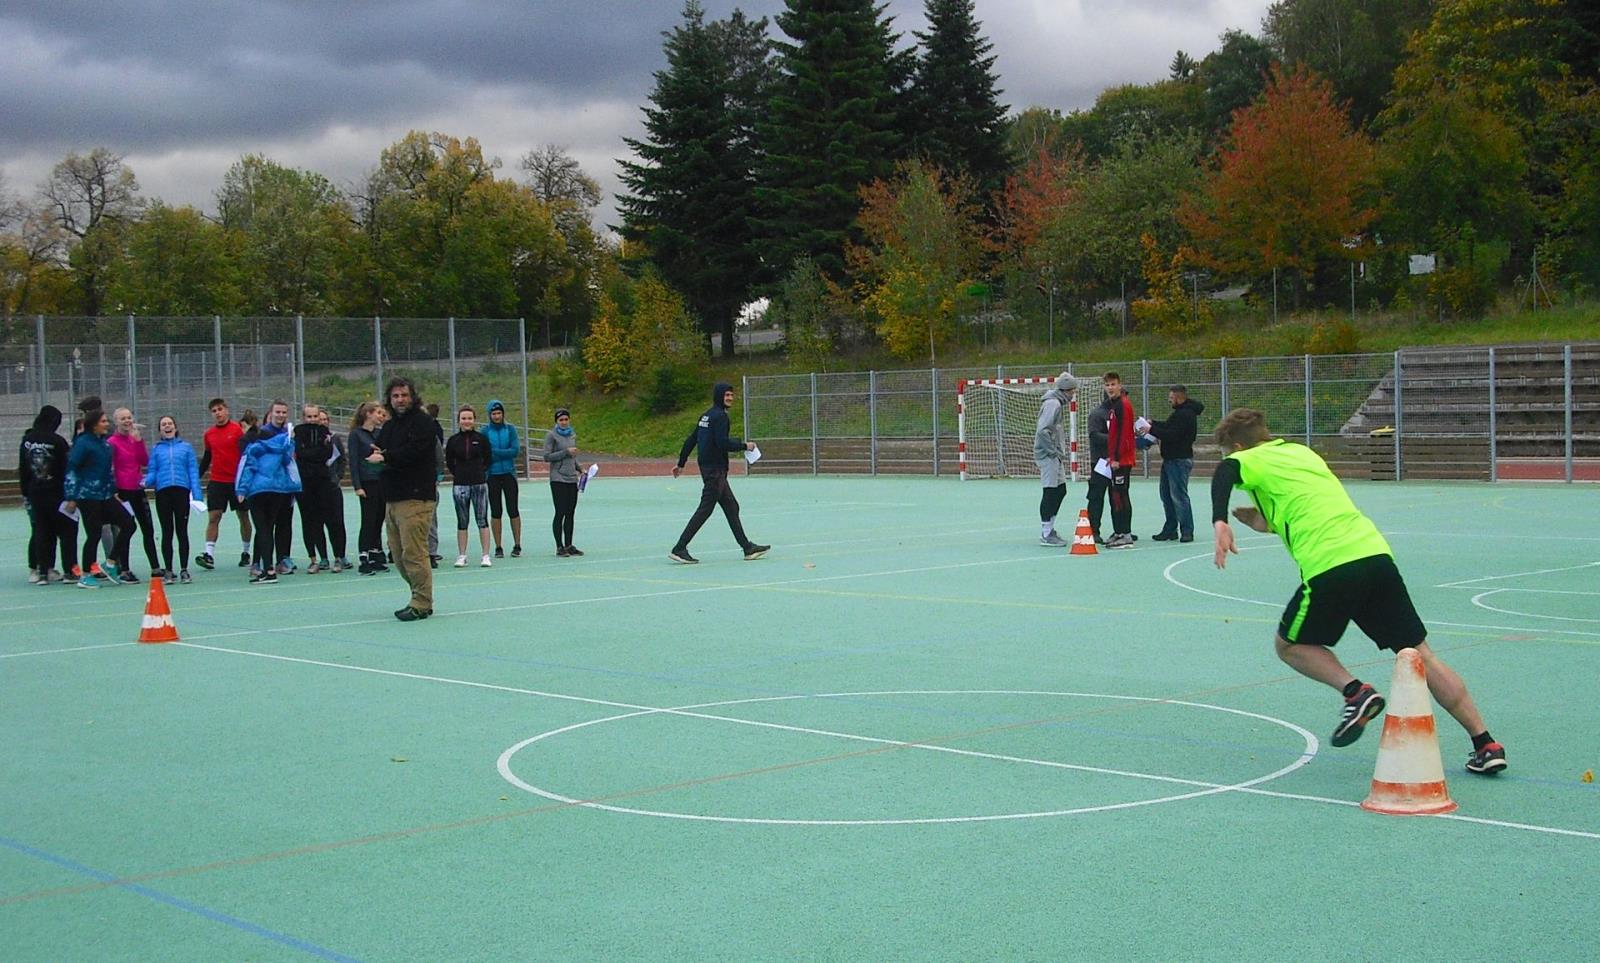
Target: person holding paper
[
  {"x": 42, "y": 473},
  {"x": 90, "y": 492},
  {"x": 129, "y": 456},
  {"x": 561, "y": 451},
  {"x": 1177, "y": 434},
  {"x": 710, "y": 436},
  {"x": 174, "y": 473},
  {"x": 1121, "y": 454}
]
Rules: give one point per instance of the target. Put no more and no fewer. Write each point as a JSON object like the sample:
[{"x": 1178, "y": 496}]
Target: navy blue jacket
[{"x": 711, "y": 436}]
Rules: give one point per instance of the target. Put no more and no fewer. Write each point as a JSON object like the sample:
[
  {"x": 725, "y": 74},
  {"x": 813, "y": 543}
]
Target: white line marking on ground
[
  {"x": 1208, "y": 788},
  {"x": 1478, "y": 600},
  {"x": 1463, "y": 583},
  {"x": 1166, "y": 573},
  {"x": 75, "y": 648}
]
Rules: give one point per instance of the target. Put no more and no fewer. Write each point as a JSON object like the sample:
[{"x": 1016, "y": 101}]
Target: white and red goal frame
[{"x": 961, "y": 415}]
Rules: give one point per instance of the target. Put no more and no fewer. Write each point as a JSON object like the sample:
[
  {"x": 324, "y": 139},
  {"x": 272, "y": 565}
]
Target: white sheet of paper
[
  {"x": 126, "y": 506},
  {"x": 593, "y": 471},
  {"x": 753, "y": 455},
  {"x": 197, "y": 505},
  {"x": 76, "y": 516},
  {"x": 1141, "y": 424},
  {"x": 1102, "y": 467},
  {"x": 333, "y": 457}
]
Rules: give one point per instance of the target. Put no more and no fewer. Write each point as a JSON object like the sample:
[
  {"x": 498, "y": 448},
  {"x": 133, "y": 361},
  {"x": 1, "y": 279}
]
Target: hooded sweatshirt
[
  {"x": 505, "y": 442},
  {"x": 42, "y": 459},
  {"x": 313, "y": 450},
  {"x": 89, "y": 469},
  {"x": 710, "y": 435},
  {"x": 1178, "y": 432},
  {"x": 1049, "y": 440},
  {"x": 558, "y": 452}
]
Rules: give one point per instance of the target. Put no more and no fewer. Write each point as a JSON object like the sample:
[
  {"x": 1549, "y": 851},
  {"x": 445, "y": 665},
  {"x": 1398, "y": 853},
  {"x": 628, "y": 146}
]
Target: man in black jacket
[
  {"x": 406, "y": 449},
  {"x": 1176, "y": 435},
  {"x": 711, "y": 437},
  {"x": 42, "y": 473},
  {"x": 1099, "y": 444}
]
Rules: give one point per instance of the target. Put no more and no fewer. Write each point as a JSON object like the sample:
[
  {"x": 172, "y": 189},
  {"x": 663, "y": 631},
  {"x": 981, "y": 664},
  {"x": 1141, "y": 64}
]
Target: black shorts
[
  {"x": 220, "y": 497},
  {"x": 1369, "y": 592},
  {"x": 503, "y": 496}
]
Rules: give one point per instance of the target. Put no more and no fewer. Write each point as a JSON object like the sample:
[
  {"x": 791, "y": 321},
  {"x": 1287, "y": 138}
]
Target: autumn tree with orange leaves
[{"x": 1290, "y": 184}]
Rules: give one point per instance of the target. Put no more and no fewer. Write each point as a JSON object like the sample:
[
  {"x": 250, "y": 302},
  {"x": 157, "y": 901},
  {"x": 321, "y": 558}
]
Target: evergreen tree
[
  {"x": 692, "y": 189},
  {"x": 960, "y": 124},
  {"x": 832, "y": 126}
]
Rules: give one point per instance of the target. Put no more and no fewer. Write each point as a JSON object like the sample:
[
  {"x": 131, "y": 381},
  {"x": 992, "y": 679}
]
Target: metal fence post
[
  {"x": 168, "y": 347},
  {"x": 744, "y": 392},
  {"x": 377, "y": 356},
  {"x": 872, "y": 419},
  {"x": 100, "y": 383},
  {"x": 1494, "y": 432},
  {"x": 44, "y": 363},
  {"x": 216, "y": 344},
  {"x": 1222, "y": 378},
  {"x": 522, "y": 353},
  {"x": 450, "y": 331},
  {"x": 1144, "y": 382},
  {"x": 814, "y": 462},
  {"x": 298, "y": 370},
  {"x": 933, "y": 380},
  {"x": 1399, "y": 419},
  {"x": 133, "y": 367},
  {"x": 1308, "y": 400},
  {"x": 233, "y": 372},
  {"x": 1566, "y": 366}
]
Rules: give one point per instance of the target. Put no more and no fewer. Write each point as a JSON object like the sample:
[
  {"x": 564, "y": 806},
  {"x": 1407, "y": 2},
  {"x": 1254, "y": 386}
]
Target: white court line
[
  {"x": 1478, "y": 600},
  {"x": 1166, "y": 573},
  {"x": 637, "y": 709},
  {"x": 76, "y": 648},
  {"x": 1462, "y": 583},
  {"x": 1498, "y": 536}
]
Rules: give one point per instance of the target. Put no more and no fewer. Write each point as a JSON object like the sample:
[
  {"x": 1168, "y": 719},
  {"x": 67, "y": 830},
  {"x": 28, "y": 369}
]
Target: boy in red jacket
[{"x": 1121, "y": 453}]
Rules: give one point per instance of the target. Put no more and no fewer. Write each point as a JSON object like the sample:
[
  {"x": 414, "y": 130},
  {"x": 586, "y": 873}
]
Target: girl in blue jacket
[
  {"x": 174, "y": 472},
  {"x": 268, "y": 481},
  {"x": 89, "y": 491}
]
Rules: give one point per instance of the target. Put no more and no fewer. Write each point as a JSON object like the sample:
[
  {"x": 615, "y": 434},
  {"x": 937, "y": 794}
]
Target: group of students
[{"x": 101, "y": 482}]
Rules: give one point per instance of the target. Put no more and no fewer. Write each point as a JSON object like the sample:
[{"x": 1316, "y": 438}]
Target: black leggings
[
  {"x": 97, "y": 515},
  {"x": 147, "y": 527},
  {"x": 565, "y": 497},
  {"x": 172, "y": 509},
  {"x": 51, "y": 528},
  {"x": 273, "y": 514},
  {"x": 1050, "y": 504},
  {"x": 322, "y": 521},
  {"x": 503, "y": 488},
  {"x": 369, "y": 541}
]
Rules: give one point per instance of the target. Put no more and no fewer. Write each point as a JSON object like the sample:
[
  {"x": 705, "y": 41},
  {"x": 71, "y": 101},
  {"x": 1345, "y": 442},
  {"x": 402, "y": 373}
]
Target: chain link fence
[{"x": 1515, "y": 412}]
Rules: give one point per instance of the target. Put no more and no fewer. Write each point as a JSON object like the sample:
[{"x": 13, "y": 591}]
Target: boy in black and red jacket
[{"x": 1121, "y": 454}]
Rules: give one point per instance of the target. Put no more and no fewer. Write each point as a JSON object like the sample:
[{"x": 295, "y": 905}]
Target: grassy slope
[{"x": 615, "y": 424}]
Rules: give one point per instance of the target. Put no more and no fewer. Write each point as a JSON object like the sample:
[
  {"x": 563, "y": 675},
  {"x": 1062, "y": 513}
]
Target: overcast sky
[{"x": 183, "y": 88}]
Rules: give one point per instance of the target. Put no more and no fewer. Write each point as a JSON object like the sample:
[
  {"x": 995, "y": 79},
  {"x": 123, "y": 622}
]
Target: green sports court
[{"x": 910, "y": 732}]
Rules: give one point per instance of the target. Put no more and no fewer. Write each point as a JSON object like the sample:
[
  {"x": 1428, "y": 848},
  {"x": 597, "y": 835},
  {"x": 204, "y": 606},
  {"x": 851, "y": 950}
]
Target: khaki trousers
[{"x": 407, "y": 528}]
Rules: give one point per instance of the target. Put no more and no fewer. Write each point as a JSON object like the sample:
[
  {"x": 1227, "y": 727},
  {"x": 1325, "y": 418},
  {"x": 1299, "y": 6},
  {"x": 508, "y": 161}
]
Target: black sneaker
[
  {"x": 128, "y": 578},
  {"x": 184, "y": 578},
  {"x": 516, "y": 551},
  {"x": 682, "y": 555},
  {"x": 1164, "y": 537},
  {"x": 1359, "y": 709},
  {"x": 1487, "y": 761},
  {"x": 244, "y": 559},
  {"x": 573, "y": 552},
  {"x": 561, "y": 551},
  {"x": 206, "y": 561},
  {"x": 270, "y": 576},
  {"x": 754, "y": 551},
  {"x": 411, "y": 614},
  {"x": 499, "y": 552}
]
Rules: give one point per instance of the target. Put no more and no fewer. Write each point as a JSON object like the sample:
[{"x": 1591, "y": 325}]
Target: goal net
[{"x": 995, "y": 418}]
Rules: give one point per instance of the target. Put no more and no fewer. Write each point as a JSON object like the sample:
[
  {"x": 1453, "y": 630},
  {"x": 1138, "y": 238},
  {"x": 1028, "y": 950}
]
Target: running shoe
[
  {"x": 286, "y": 567},
  {"x": 516, "y": 551},
  {"x": 1487, "y": 761},
  {"x": 109, "y": 572},
  {"x": 499, "y": 552},
  {"x": 205, "y": 561},
  {"x": 128, "y": 578},
  {"x": 184, "y": 578},
  {"x": 561, "y": 551},
  {"x": 270, "y": 576},
  {"x": 1053, "y": 540},
  {"x": 313, "y": 568},
  {"x": 55, "y": 576},
  {"x": 342, "y": 564},
  {"x": 1359, "y": 710},
  {"x": 573, "y": 551},
  {"x": 88, "y": 581},
  {"x": 461, "y": 561},
  {"x": 485, "y": 563},
  {"x": 244, "y": 559},
  {"x": 754, "y": 551},
  {"x": 682, "y": 555},
  {"x": 34, "y": 578}
]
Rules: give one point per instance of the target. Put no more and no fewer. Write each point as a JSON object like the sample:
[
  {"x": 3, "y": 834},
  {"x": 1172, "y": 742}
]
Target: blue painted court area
[{"x": 910, "y": 732}]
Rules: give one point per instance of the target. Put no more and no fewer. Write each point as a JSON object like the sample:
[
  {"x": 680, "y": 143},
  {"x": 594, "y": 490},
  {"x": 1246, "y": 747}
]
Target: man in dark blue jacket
[{"x": 710, "y": 435}]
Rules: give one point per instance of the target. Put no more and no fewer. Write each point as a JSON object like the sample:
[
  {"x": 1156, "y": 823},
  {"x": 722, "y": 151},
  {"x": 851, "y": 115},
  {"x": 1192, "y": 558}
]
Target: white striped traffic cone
[
  {"x": 157, "y": 625},
  {"x": 1409, "y": 777}
]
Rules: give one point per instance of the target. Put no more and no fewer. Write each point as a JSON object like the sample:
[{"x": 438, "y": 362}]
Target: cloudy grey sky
[{"x": 183, "y": 88}]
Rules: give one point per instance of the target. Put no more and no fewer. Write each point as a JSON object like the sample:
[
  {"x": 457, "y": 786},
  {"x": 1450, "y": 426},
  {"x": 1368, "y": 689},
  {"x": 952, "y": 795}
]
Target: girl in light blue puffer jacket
[{"x": 174, "y": 473}]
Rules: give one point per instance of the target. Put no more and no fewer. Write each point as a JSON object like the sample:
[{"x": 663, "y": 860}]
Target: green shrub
[
  {"x": 667, "y": 388},
  {"x": 1333, "y": 337}
]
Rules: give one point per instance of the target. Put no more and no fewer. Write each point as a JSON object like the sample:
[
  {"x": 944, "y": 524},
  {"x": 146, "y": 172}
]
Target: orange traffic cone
[
  {"x": 158, "y": 625},
  {"x": 1083, "y": 535},
  {"x": 1409, "y": 778}
]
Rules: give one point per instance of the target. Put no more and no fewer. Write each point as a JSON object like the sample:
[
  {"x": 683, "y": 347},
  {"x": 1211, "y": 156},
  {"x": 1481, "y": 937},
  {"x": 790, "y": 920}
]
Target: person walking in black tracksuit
[{"x": 710, "y": 435}]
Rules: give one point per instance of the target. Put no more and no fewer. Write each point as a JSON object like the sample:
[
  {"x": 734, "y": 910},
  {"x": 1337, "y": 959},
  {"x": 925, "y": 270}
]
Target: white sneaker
[
  {"x": 461, "y": 561},
  {"x": 485, "y": 563}
]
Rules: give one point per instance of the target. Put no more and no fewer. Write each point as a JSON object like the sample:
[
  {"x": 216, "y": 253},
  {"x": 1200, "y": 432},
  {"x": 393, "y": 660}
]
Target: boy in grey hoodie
[
  {"x": 1050, "y": 454},
  {"x": 561, "y": 451}
]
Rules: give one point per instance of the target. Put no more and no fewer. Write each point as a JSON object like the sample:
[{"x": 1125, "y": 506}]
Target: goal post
[{"x": 995, "y": 419}]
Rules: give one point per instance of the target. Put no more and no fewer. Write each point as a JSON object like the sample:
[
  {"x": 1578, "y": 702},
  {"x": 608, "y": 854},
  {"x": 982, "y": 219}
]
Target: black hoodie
[
  {"x": 1177, "y": 433},
  {"x": 42, "y": 459},
  {"x": 711, "y": 435}
]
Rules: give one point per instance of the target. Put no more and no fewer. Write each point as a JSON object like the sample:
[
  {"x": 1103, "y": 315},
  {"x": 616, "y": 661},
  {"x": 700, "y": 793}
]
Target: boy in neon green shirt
[{"x": 1347, "y": 573}]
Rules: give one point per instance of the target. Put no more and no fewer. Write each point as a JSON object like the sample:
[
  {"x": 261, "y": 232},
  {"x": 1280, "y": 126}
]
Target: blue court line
[{"x": 173, "y": 901}]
